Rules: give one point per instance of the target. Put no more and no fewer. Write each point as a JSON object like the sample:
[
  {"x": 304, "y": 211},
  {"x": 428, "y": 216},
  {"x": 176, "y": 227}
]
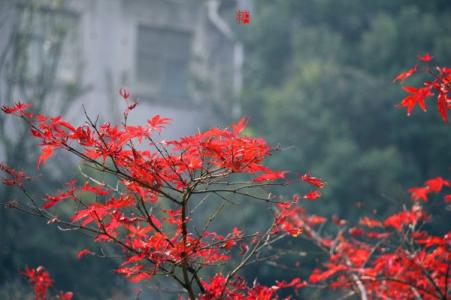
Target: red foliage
[
  {"x": 14, "y": 177},
  {"x": 389, "y": 269},
  {"x": 318, "y": 182},
  {"x": 313, "y": 195},
  {"x": 41, "y": 281},
  {"x": 434, "y": 185},
  {"x": 83, "y": 253},
  {"x": 18, "y": 108},
  {"x": 400, "y": 260},
  {"x": 425, "y": 58},
  {"x": 149, "y": 213},
  {"x": 441, "y": 84},
  {"x": 167, "y": 174},
  {"x": 406, "y": 74},
  {"x": 371, "y": 223}
]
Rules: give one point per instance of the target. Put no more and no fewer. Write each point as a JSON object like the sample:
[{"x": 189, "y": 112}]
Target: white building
[{"x": 178, "y": 57}]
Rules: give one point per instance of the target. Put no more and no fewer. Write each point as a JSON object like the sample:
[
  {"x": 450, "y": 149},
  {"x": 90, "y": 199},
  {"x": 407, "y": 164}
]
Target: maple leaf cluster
[
  {"x": 433, "y": 185},
  {"x": 440, "y": 84},
  {"x": 41, "y": 281},
  {"x": 390, "y": 259},
  {"x": 14, "y": 177},
  {"x": 393, "y": 258},
  {"x": 239, "y": 289},
  {"x": 149, "y": 212}
]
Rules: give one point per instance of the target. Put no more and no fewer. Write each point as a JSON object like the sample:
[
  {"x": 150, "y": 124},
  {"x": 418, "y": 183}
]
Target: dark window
[{"x": 162, "y": 61}]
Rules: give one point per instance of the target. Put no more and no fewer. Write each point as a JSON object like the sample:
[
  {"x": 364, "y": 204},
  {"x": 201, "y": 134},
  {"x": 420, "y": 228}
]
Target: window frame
[{"x": 155, "y": 92}]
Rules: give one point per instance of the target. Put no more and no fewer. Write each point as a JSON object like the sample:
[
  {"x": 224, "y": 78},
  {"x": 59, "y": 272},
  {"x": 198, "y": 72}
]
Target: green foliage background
[
  {"x": 318, "y": 77},
  {"x": 318, "y": 82}
]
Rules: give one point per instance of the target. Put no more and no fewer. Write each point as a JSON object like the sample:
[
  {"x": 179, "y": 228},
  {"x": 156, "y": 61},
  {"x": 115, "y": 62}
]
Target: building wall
[
  {"x": 108, "y": 56},
  {"x": 100, "y": 50}
]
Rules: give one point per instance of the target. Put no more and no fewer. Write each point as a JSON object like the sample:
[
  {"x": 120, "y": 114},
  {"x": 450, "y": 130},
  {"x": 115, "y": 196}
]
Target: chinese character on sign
[{"x": 243, "y": 16}]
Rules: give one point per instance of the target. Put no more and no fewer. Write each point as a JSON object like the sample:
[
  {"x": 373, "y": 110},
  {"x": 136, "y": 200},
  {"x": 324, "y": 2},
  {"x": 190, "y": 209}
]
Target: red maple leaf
[
  {"x": 18, "y": 107},
  {"x": 270, "y": 175},
  {"x": 157, "y": 122},
  {"x": 65, "y": 295},
  {"x": 83, "y": 252},
  {"x": 125, "y": 93},
  {"x": 419, "y": 193},
  {"x": 417, "y": 96},
  {"x": 240, "y": 126},
  {"x": 355, "y": 231},
  {"x": 315, "y": 220},
  {"x": 371, "y": 223},
  {"x": 315, "y": 181},
  {"x": 318, "y": 275},
  {"x": 40, "y": 279},
  {"x": 313, "y": 195},
  {"x": 404, "y": 75},
  {"x": 425, "y": 58},
  {"x": 443, "y": 104},
  {"x": 436, "y": 184},
  {"x": 46, "y": 153}
]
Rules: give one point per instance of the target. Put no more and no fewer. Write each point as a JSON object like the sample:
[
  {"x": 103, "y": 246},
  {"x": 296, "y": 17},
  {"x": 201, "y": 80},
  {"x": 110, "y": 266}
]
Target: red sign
[{"x": 243, "y": 17}]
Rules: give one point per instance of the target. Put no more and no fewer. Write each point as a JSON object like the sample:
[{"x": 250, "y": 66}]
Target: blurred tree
[
  {"x": 317, "y": 81},
  {"x": 318, "y": 77}
]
